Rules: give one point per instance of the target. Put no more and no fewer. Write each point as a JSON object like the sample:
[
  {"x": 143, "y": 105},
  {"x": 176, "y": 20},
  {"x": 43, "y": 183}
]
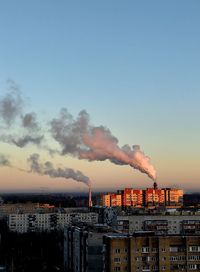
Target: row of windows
[
  {"x": 177, "y": 258},
  {"x": 194, "y": 248},
  {"x": 155, "y": 268},
  {"x": 121, "y": 250},
  {"x": 118, "y": 260}
]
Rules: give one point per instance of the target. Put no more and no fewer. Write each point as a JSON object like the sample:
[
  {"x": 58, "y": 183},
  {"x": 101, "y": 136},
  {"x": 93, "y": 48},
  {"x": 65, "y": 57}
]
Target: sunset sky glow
[{"x": 132, "y": 65}]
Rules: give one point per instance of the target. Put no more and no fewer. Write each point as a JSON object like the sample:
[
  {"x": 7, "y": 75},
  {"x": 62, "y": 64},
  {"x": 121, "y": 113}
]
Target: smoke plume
[
  {"x": 27, "y": 139},
  {"x": 48, "y": 169},
  {"x": 10, "y": 107},
  {"x": 79, "y": 138},
  {"x": 22, "y": 141},
  {"x": 4, "y": 161},
  {"x": 76, "y": 137},
  {"x": 29, "y": 121}
]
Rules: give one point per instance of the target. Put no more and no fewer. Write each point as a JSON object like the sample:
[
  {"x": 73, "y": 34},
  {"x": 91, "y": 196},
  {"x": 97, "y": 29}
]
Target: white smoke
[
  {"x": 4, "y": 161},
  {"x": 11, "y": 112},
  {"x": 79, "y": 138},
  {"x": 76, "y": 137},
  {"x": 48, "y": 169},
  {"x": 11, "y": 106}
]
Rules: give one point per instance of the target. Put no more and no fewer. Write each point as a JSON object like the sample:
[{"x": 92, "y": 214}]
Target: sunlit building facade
[{"x": 130, "y": 197}]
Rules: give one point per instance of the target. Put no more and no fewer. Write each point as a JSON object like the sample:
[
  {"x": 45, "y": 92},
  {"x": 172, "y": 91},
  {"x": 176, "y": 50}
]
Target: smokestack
[
  {"x": 155, "y": 185},
  {"x": 90, "y": 197}
]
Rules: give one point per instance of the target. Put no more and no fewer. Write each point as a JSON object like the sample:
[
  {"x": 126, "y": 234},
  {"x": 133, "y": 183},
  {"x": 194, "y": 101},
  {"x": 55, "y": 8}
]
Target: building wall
[
  {"x": 151, "y": 253},
  {"x": 47, "y": 221},
  {"x": 154, "y": 196},
  {"x": 161, "y": 224},
  {"x": 139, "y": 198},
  {"x": 132, "y": 197}
]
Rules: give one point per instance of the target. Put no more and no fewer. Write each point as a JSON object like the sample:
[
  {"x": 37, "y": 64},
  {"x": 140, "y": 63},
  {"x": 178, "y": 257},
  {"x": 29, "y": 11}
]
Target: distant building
[
  {"x": 37, "y": 222},
  {"x": 173, "y": 196},
  {"x": 29, "y": 207},
  {"x": 132, "y": 197},
  {"x": 154, "y": 196},
  {"x": 160, "y": 224},
  {"x": 148, "y": 252},
  {"x": 110, "y": 200},
  {"x": 149, "y": 197},
  {"x": 107, "y": 215}
]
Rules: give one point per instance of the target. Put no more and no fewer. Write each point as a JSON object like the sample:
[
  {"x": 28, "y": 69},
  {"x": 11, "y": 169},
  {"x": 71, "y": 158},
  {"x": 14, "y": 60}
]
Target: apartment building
[
  {"x": 25, "y": 222},
  {"x": 29, "y": 207},
  {"x": 160, "y": 224},
  {"x": 110, "y": 200},
  {"x": 173, "y": 196},
  {"x": 132, "y": 197},
  {"x": 154, "y": 196},
  {"x": 143, "y": 198},
  {"x": 147, "y": 252}
]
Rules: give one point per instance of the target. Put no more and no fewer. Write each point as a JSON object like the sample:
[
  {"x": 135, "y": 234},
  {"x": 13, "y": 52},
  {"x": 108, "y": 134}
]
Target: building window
[
  {"x": 192, "y": 266},
  {"x": 194, "y": 258},
  {"x": 173, "y": 249},
  {"x": 145, "y": 249},
  {"x": 154, "y": 250},
  {"x": 194, "y": 248},
  {"x": 117, "y": 250},
  {"x": 117, "y": 268},
  {"x": 116, "y": 260}
]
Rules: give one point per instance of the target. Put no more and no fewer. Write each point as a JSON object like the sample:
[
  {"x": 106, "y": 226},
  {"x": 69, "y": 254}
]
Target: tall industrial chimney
[
  {"x": 90, "y": 197},
  {"x": 155, "y": 185}
]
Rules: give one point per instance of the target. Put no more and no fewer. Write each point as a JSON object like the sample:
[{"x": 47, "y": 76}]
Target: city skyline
[{"x": 134, "y": 70}]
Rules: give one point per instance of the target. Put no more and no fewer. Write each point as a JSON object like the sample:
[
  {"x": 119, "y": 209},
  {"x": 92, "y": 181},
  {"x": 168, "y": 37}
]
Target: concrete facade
[
  {"x": 161, "y": 224},
  {"x": 147, "y": 252},
  {"x": 34, "y": 222}
]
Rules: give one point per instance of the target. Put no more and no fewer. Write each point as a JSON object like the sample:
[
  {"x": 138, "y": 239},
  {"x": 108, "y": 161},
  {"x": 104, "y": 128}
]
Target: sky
[{"x": 132, "y": 65}]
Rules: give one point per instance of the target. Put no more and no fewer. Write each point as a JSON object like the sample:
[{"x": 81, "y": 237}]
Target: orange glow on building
[
  {"x": 132, "y": 197},
  {"x": 154, "y": 196},
  {"x": 143, "y": 198},
  {"x": 111, "y": 200}
]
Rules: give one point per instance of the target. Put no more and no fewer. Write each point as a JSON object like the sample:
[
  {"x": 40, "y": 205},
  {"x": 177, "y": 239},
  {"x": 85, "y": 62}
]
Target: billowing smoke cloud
[
  {"x": 48, "y": 168},
  {"x": 29, "y": 121},
  {"x": 79, "y": 138},
  {"x": 4, "y": 161},
  {"x": 68, "y": 132},
  {"x": 27, "y": 139},
  {"x": 10, "y": 107},
  {"x": 22, "y": 141},
  {"x": 76, "y": 137}
]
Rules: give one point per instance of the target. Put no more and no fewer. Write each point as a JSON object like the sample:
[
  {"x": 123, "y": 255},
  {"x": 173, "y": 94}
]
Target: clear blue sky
[{"x": 133, "y": 65}]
